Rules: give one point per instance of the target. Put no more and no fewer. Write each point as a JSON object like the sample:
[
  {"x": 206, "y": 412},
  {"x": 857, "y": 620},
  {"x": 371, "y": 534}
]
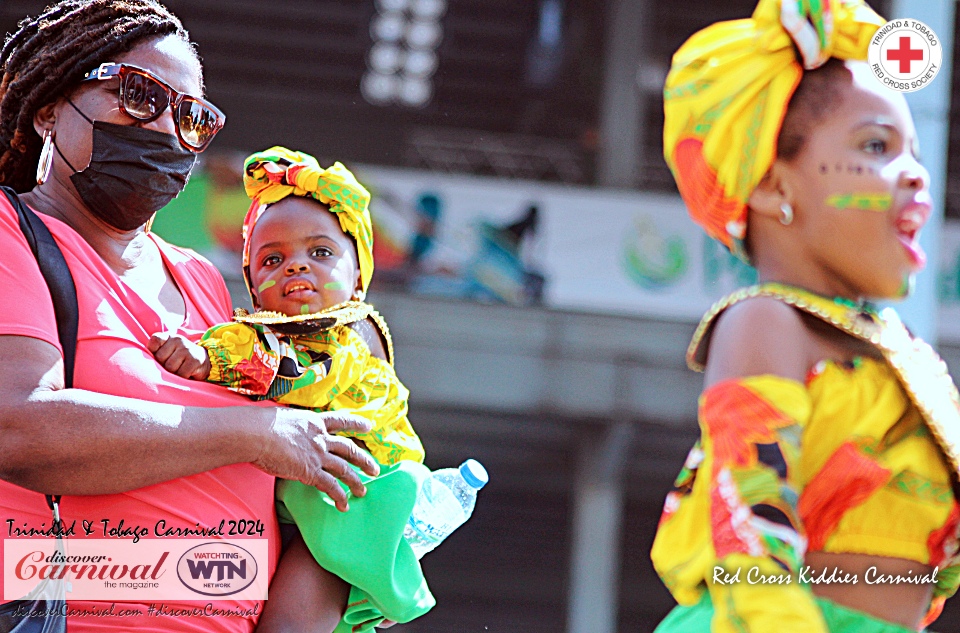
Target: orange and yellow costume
[{"x": 860, "y": 458}]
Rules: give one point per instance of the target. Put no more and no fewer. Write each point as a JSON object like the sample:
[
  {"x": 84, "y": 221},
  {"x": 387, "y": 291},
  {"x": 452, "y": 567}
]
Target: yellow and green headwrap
[
  {"x": 278, "y": 172},
  {"x": 727, "y": 93}
]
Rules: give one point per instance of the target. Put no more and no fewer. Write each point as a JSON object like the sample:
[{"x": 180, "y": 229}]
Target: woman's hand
[
  {"x": 180, "y": 356},
  {"x": 299, "y": 446}
]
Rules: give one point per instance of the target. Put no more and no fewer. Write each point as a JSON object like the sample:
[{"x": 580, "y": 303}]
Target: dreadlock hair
[{"x": 50, "y": 53}]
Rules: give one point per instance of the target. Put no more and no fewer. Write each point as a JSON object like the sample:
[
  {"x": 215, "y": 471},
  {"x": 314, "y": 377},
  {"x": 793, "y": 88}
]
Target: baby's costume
[
  {"x": 318, "y": 361},
  {"x": 860, "y": 458},
  {"x": 330, "y": 369}
]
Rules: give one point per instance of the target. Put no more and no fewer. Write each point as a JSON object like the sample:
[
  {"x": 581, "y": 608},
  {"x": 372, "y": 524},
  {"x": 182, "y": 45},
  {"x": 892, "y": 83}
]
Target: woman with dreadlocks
[{"x": 101, "y": 119}]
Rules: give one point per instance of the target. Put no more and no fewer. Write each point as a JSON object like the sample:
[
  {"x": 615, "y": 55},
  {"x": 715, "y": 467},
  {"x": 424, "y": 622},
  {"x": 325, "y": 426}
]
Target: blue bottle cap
[{"x": 474, "y": 474}]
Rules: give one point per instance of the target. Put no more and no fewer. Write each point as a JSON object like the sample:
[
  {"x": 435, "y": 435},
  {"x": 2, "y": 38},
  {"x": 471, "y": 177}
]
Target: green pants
[
  {"x": 696, "y": 619},
  {"x": 365, "y": 545}
]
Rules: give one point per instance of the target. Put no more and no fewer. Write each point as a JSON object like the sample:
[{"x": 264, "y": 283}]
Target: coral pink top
[{"x": 112, "y": 358}]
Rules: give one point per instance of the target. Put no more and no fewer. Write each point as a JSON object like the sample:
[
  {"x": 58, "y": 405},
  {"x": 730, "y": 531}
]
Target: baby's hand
[{"x": 179, "y": 356}]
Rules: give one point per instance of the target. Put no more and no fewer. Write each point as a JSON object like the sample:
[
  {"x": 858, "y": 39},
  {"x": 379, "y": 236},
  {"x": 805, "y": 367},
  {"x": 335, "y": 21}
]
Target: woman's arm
[{"x": 57, "y": 440}]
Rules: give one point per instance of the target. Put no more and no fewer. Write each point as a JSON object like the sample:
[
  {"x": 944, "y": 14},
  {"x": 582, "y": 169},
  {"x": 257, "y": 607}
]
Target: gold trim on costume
[
  {"x": 340, "y": 314},
  {"x": 920, "y": 370},
  {"x": 334, "y": 316},
  {"x": 381, "y": 324}
]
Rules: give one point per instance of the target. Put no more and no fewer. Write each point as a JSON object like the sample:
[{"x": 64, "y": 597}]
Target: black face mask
[{"x": 133, "y": 173}]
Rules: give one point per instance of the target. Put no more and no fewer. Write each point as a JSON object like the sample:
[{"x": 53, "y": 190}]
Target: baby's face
[{"x": 301, "y": 261}]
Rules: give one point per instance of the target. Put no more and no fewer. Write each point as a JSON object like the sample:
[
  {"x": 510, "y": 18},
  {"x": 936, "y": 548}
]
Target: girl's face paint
[
  {"x": 270, "y": 283},
  {"x": 879, "y": 202},
  {"x": 305, "y": 308},
  {"x": 906, "y": 288},
  {"x": 860, "y": 156},
  {"x": 838, "y": 168},
  {"x": 335, "y": 285}
]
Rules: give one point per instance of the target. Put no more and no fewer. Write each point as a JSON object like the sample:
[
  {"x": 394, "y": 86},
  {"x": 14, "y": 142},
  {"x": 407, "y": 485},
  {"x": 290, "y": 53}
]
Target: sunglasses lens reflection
[
  {"x": 144, "y": 98},
  {"x": 198, "y": 124}
]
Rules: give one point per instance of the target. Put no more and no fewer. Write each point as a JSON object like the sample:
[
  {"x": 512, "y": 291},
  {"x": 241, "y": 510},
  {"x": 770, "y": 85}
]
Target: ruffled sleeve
[
  {"x": 241, "y": 358},
  {"x": 731, "y": 524}
]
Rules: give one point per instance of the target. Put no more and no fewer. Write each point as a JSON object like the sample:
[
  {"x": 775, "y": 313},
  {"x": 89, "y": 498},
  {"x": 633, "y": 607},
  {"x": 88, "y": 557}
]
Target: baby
[{"x": 313, "y": 343}]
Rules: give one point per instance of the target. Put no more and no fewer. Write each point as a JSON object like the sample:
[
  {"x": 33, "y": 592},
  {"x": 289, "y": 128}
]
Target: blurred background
[{"x": 534, "y": 260}]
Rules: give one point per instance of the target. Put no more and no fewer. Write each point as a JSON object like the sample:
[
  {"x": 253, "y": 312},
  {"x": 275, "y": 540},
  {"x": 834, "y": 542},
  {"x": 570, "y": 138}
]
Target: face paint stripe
[
  {"x": 861, "y": 201},
  {"x": 335, "y": 285},
  {"x": 270, "y": 283},
  {"x": 305, "y": 309},
  {"x": 906, "y": 287}
]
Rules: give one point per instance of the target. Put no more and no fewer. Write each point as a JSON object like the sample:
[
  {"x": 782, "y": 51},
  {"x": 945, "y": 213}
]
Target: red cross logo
[{"x": 905, "y": 55}]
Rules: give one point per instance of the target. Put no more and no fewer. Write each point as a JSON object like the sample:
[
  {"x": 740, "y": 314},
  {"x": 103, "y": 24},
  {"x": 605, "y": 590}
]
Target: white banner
[{"x": 574, "y": 248}]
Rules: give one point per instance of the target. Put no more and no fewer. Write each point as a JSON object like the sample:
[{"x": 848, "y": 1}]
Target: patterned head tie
[
  {"x": 727, "y": 93},
  {"x": 271, "y": 176}
]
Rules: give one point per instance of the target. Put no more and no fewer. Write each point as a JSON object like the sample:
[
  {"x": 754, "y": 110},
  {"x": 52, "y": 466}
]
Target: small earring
[
  {"x": 359, "y": 295},
  {"x": 786, "y": 213},
  {"x": 46, "y": 157}
]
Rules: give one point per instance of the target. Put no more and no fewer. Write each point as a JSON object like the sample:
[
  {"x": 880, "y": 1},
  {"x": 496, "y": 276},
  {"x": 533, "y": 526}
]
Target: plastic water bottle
[{"x": 445, "y": 502}]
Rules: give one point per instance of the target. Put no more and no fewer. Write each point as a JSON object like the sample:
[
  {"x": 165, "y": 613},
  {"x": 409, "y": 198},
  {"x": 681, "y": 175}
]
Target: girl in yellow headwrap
[
  {"x": 313, "y": 342},
  {"x": 820, "y": 494}
]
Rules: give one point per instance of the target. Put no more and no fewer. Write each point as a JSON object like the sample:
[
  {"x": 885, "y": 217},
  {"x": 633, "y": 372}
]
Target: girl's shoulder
[
  {"x": 774, "y": 328},
  {"x": 759, "y": 335}
]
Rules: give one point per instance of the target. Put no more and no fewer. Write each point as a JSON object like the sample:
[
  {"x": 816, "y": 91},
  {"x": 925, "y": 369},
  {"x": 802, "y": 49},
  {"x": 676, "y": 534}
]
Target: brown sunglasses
[{"x": 144, "y": 96}]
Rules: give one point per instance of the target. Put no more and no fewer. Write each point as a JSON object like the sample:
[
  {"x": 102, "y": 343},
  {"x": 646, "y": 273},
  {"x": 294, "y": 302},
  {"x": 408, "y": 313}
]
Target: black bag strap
[{"x": 56, "y": 273}]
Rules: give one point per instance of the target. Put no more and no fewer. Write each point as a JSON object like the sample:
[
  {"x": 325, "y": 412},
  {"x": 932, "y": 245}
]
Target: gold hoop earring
[
  {"x": 46, "y": 157},
  {"x": 786, "y": 213}
]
